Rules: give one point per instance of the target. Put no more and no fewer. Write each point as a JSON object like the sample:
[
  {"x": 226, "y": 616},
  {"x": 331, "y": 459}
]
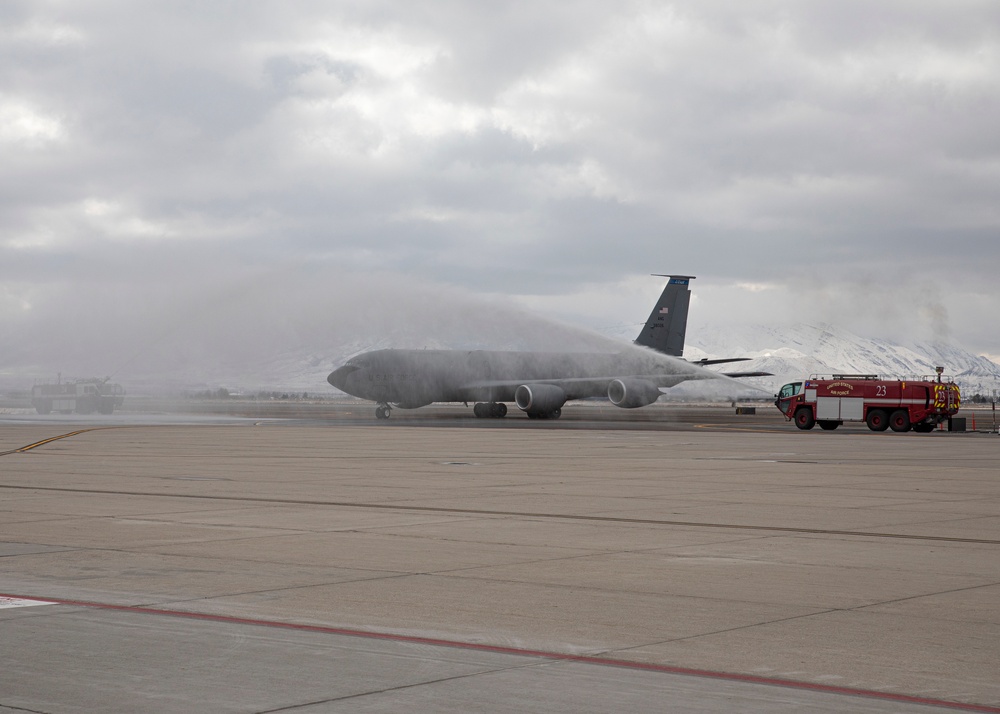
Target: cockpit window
[{"x": 790, "y": 390}]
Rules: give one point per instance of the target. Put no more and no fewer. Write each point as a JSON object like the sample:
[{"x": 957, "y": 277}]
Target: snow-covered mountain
[{"x": 793, "y": 352}]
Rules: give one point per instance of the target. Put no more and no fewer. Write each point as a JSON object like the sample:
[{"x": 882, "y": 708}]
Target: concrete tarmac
[{"x": 694, "y": 561}]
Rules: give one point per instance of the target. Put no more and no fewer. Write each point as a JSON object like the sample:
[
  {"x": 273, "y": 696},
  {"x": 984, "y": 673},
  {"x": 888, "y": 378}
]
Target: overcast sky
[{"x": 813, "y": 161}]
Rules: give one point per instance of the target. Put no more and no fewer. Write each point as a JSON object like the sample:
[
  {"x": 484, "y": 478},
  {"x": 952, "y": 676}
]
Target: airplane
[{"x": 539, "y": 383}]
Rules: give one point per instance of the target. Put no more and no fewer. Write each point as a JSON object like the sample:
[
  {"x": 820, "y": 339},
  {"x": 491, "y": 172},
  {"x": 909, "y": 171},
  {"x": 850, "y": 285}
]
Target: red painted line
[{"x": 541, "y": 654}]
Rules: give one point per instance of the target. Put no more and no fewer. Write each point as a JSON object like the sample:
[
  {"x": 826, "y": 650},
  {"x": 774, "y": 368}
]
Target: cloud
[
  {"x": 843, "y": 154},
  {"x": 24, "y": 125}
]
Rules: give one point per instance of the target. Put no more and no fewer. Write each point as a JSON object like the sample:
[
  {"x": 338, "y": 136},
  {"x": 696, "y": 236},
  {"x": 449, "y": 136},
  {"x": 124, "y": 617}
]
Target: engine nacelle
[
  {"x": 539, "y": 398},
  {"x": 629, "y": 393}
]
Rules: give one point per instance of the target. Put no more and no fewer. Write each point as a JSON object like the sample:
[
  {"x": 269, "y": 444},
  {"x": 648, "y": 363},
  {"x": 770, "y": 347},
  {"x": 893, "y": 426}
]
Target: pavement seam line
[
  {"x": 402, "y": 687},
  {"x": 918, "y": 597},
  {"x": 733, "y": 629},
  {"x": 522, "y": 514}
]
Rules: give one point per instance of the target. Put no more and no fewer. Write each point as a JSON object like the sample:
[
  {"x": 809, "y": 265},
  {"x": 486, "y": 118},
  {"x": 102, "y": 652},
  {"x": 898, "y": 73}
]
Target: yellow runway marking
[{"x": 43, "y": 442}]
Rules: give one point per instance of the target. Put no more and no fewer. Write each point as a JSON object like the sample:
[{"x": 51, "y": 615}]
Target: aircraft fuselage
[{"x": 413, "y": 378}]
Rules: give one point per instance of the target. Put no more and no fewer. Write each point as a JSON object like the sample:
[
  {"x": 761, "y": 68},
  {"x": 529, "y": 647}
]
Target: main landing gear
[
  {"x": 382, "y": 411},
  {"x": 490, "y": 410},
  {"x": 554, "y": 414}
]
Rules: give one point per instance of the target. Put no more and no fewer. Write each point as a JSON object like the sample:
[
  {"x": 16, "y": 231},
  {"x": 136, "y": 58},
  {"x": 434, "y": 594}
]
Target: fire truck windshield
[{"x": 790, "y": 390}]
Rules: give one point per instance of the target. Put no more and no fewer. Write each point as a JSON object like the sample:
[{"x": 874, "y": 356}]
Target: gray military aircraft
[{"x": 539, "y": 383}]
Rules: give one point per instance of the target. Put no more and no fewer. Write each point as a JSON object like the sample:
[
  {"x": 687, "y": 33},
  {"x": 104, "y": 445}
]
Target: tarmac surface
[{"x": 669, "y": 558}]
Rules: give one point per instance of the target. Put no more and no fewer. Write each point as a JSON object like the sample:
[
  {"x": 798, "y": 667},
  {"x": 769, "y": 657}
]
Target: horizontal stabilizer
[{"x": 704, "y": 362}]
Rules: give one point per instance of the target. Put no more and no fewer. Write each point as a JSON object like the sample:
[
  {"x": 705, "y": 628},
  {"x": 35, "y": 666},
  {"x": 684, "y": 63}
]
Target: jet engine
[
  {"x": 539, "y": 399},
  {"x": 629, "y": 392}
]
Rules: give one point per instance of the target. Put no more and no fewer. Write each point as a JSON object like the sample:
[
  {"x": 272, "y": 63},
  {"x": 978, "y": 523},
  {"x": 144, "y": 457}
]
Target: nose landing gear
[{"x": 382, "y": 411}]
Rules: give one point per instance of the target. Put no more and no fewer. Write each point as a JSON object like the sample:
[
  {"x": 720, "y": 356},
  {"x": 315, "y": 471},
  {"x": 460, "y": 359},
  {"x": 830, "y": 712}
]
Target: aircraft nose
[{"x": 338, "y": 377}]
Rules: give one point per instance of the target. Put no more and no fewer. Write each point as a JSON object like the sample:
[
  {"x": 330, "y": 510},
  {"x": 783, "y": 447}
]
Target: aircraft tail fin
[{"x": 667, "y": 324}]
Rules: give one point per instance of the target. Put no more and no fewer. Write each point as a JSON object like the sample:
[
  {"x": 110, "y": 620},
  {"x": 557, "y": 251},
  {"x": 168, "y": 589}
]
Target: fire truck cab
[{"x": 830, "y": 400}]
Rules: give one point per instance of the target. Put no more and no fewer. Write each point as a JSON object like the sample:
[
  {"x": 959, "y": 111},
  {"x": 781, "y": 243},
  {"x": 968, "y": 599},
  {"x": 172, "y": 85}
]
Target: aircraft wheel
[
  {"x": 555, "y": 414},
  {"x": 478, "y": 410},
  {"x": 828, "y": 425},
  {"x": 877, "y": 420},
  {"x": 923, "y": 428},
  {"x": 381, "y": 412},
  {"x": 899, "y": 420},
  {"x": 804, "y": 418},
  {"x": 498, "y": 410}
]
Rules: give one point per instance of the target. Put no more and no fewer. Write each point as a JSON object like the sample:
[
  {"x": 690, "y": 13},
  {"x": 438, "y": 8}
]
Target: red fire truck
[{"x": 830, "y": 400}]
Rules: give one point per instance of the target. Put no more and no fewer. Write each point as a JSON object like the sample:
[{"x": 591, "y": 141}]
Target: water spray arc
[{"x": 538, "y": 383}]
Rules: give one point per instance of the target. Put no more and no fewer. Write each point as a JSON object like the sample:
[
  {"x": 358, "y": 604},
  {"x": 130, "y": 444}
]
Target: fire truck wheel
[
  {"x": 899, "y": 420},
  {"x": 877, "y": 420},
  {"x": 804, "y": 418},
  {"x": 828, "y": 425}
]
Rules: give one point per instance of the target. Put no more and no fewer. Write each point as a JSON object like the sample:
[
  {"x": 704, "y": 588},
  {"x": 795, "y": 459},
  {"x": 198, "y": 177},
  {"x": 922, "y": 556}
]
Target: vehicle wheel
[
  {"x": 877, "y": 420},
  {"x": 923, "y": 428},
  {"x": 499, "y": 410},
  {"x": 899, "y": 420},
  {"x": 804, "y": 418},
  {"x": 828, "y": 425}
]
